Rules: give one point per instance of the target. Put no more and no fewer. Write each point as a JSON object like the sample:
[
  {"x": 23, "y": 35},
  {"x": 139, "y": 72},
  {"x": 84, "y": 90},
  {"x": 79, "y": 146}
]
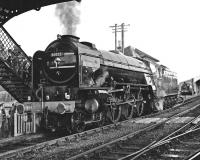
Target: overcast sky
[{"x": 168, "y": 30}]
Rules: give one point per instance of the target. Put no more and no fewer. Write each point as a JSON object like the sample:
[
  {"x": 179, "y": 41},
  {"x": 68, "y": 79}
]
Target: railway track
[
  {"x": 34, "y": 147},
  {"x": 125, "y": 148},
  {"x": 184, "y": 143}
]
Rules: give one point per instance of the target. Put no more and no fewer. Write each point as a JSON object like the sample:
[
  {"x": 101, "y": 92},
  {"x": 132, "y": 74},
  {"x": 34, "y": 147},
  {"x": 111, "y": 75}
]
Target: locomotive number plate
[
  {"x": 57, "y": 54},
  {"x": 61, "y": 54}
]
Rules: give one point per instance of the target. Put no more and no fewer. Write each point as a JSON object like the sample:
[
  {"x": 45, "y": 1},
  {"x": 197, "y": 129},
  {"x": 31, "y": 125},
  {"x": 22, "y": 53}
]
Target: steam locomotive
[
  {"x": 79, "y": 85},
  {"x": 187, "y": 88}
]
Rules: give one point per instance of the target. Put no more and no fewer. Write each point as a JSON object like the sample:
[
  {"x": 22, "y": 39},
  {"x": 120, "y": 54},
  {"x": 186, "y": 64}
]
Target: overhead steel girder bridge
[{"x": 11, "y": 8}]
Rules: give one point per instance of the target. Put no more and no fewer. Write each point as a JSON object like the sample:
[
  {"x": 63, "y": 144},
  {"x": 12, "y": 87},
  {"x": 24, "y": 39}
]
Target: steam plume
[{"x": 69, "y": 16}]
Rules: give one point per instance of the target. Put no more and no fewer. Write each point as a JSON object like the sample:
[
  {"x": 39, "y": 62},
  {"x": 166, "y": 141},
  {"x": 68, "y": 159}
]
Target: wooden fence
[{"x": 24, "y": 123}]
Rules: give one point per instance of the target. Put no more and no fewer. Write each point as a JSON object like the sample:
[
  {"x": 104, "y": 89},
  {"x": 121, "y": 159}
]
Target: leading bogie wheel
[
  {"x": 102, "y": 119},
  {"x": 77, "y": 122}
]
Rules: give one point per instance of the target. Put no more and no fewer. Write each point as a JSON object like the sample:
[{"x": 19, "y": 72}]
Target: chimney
[{"x": 70, "y": 38}]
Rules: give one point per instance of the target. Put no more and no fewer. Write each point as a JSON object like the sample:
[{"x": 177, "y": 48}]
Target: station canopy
[{"x": 11, "y": 8}]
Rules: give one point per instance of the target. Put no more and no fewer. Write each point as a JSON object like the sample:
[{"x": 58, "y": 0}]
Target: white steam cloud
[{"x": 69, "y": 15}]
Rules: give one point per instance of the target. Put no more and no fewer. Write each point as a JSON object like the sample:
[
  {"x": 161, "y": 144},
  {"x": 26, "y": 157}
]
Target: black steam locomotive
[
  {"x": 79, "y": 85},
  {"x": 186, "y": 88}
]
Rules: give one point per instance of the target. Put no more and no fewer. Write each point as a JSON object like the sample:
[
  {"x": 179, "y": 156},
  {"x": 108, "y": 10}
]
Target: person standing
[
  {"x": 4, "y": 122},
  {"x": 1, "y": 121}
]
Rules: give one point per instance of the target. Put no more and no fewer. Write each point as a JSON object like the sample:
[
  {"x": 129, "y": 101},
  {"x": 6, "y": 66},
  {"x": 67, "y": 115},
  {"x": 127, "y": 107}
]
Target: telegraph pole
[
  {"x": 119, "y": 28},
  {"x": 115, "y": 28},
  {"x": 115, "y": 36},
  {"x": 122, "y": 28}
]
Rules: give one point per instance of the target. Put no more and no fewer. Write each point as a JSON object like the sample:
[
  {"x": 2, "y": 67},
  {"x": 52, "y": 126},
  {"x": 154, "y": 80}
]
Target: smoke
[{"x": 69, "y": 15}]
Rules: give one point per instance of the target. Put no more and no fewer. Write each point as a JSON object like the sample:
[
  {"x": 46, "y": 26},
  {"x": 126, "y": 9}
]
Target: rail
[{"x": 73, "y": 138}]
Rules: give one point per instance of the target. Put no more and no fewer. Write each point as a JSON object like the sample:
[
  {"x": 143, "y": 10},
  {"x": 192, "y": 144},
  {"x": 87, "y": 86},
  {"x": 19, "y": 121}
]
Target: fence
[{"x": 24, "y": 123}]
